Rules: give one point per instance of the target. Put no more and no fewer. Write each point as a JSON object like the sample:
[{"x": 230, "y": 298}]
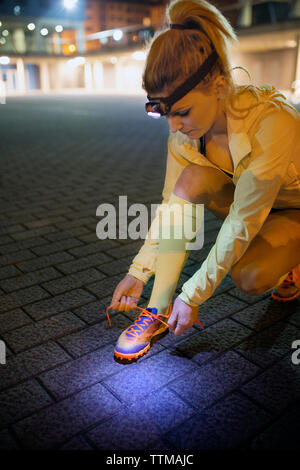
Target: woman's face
[{"x": 197, "y": 113}]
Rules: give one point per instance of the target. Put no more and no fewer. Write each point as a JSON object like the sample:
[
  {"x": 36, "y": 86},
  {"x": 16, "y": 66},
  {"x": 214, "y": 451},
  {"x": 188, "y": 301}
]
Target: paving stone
[
  {"x": 44, "y": 261},
  {"x": 270, "y": 344},
  {"x": 212, "y": 341},
  {"x": 18, "y": 235},
  {"x": 224, "y": 426},
  {"x": 281, "y": 435},
  {"x": 22, "y": 400},
  {"x": 106, "y": 286},
  {"x": 44, "y": 222},
  {"x": 7, "y": 442},
  {"x": 61, "y": 235},
  {"x": 49, "y": 329},
  {"x": 8, "y": 271},
  {"x": 13, "y": 319},
  {"x": 262, "y": 314},
  {"x": 25, "y": 280},
  {"x": 219, "y": 307},
  {"x": 148, "y": 375},
  {"x": 295, "y": 317},
  {"x": 137, "y": 425},
  {"x": 277, "y": 387},
  {"x": 119, "y": 266},
  {"x": 58, "y": 422},
  {"x": 85, "y": 262},
  {"x": 77, "y": 443},
  {"x": 4, "y": 240},
  {"x": 130, "y": 249},
  {"x": 214, "y": 380},
  {"x": 23, "y": 245},
  {"x": 54, "y": 247},
  {"x": 59, "y": 303},
  {"x": 73, "y": 281},
  {"x": 22, "y": 297},
  {"x": 16, "y": 257},
  {"x": 95, "y": 311},
  {"x": 11, "y": 229},
  {"x": 94, "y": 337},
  {"x": 81, "y": 373},
  {"x": 95, "y": 247},
  {"x": 250, "y": 299},
  {"x": 29, "y": 363}
]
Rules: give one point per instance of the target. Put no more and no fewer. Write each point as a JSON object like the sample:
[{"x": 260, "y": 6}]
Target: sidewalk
[{"x": 231, "y": 386}]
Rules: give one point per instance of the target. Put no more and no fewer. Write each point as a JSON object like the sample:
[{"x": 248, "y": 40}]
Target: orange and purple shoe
[
  {"x": 135, "y": 341},
  {"x": 289, "y": 288}
]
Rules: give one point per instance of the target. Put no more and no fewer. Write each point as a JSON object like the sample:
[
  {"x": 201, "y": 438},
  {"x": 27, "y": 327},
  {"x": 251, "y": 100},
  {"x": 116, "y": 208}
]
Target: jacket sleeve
[
  {"x": 143, "y": 265},
  {"x": 256, "y": 190}
]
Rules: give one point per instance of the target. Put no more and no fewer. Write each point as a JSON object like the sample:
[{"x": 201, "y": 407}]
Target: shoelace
[
  {"x": 133, "y": 331},
  {"x": 288, "y": 281}
]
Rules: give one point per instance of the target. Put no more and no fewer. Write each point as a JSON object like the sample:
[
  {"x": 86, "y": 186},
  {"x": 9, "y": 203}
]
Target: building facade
[{"x": 269, "y": 45}]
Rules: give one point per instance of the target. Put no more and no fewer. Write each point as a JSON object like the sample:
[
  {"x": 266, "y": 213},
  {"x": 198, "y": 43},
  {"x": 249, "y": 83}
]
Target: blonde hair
[{"x": 174, "y": 54}]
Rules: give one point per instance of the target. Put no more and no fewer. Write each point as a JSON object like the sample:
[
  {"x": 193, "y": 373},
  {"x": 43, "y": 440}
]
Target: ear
[{"x": 220, "y": 87}]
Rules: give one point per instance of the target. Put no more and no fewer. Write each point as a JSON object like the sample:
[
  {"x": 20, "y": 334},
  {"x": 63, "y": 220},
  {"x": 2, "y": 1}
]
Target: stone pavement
[{"x": 232, "y": 386}]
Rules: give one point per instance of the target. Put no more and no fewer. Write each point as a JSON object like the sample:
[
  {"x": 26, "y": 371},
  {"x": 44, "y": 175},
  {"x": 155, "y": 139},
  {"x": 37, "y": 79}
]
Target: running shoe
[
  {"x": 289, "y": 288},
  {"x": 135, "y": 341}
]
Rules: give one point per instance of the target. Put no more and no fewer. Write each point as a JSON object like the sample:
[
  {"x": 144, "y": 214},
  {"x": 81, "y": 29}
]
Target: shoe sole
[
  {"x": 142, "y": 352},
  {"x": 285, "y": 299}
]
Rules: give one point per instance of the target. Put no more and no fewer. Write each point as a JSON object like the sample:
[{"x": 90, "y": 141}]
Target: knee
[
  {"x": 193, "y": 183},
  {"x": 249, "y": 279}
]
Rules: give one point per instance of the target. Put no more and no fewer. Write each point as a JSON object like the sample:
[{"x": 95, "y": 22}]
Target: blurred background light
[
  {"x": 70, "y": 4},
  {"x": 139, "y": 55},
  {"x": 76, "y": 61},
  {"x": 5, "y": 32},
  {"x": 113, "y": 60},
  {"x": 2, "y": 41},
  {"x": 31, "y": 26},
  {"x": 44, "y": 31},
  {"x": 17, "y": 10},
  {"x": 4, "y": 60},
  {"x": 117, "y": 35},
  {"x": 72, "y": 48},
  {"x": 59, "y": 28}
]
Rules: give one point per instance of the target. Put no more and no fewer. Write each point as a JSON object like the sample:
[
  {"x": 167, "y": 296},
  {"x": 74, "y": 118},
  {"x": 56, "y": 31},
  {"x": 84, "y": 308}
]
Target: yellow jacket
[{"x": 264, "y": 142}]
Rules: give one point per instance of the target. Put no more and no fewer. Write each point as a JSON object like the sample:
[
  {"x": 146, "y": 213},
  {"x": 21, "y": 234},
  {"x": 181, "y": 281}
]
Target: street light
[
  {"x": 4, "y": 60},
  {"x": 70, "y": 4},
  {"x": 59, "y": 28},
  {"x": 44, "y": 31},
  {"x": 117, "y": 35},
  {"x": 31, "y": 26}
]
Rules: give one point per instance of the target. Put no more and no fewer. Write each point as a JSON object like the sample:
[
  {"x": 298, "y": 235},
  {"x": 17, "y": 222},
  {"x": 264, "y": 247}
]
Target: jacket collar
[{"x": 238, "y": 140}]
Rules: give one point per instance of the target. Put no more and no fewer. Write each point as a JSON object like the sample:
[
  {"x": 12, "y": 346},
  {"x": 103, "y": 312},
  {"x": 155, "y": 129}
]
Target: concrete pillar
[
  {"x": 80, "y": 39},
  {"x": 21, "y": 84},
  {"x": 98, "y": 75},
  {"x": 45, "y": 83},
  {"x": 88, "y": 76}
]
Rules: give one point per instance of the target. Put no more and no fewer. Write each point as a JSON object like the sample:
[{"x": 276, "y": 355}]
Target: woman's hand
[
  {"x": 127, "y": 294},
  {"x": 183, "y": 317}
]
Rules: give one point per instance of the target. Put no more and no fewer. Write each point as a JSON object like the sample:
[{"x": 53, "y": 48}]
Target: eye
[{"x": 184, "y": 113}]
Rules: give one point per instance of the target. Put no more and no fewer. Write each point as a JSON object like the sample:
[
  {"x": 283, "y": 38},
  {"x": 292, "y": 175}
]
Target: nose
[{"x": 174, "y": 123}]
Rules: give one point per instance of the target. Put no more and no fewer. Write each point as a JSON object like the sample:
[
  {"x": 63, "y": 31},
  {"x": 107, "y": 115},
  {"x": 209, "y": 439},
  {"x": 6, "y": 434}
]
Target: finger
[
  {"x": 180, "y": 329},
  {"x": 127, "y": 305},
  {"x": 172, "y": 322},
  {"x": 116, "y": 298},
  {"x": 122, "y": 303}
]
